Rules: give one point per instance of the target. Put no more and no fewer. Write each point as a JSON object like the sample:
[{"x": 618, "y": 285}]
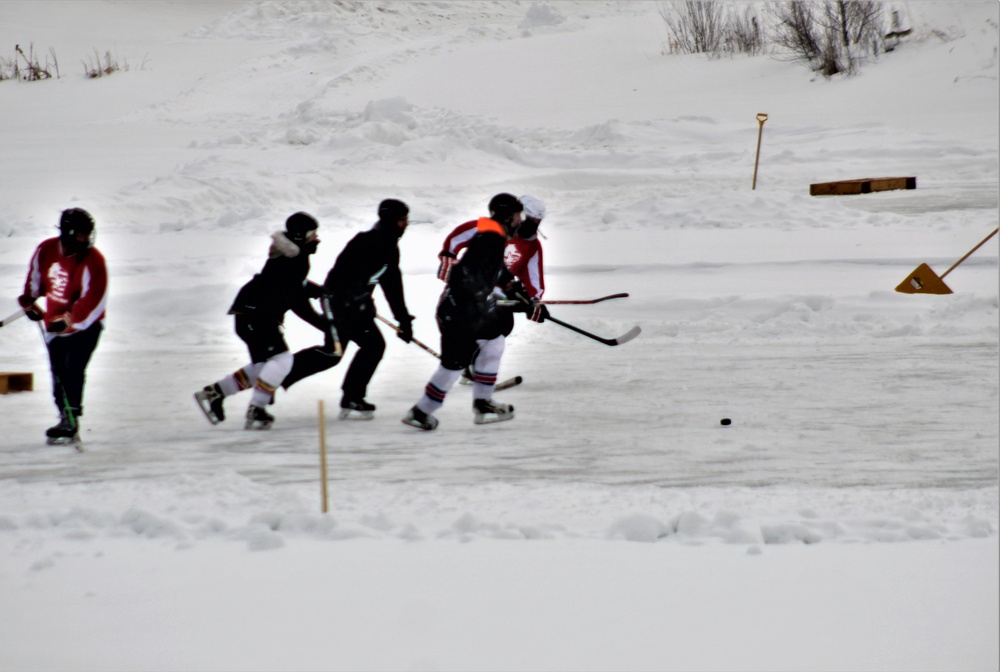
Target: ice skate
[
  {"x": 258, "y": 419},
  {"x": 488, "y": 411},
  {"x": 417, "y": 418},
  {"x": 209, "y": 401},
  {"x": 63, "y": 433},
  {"x": 356, "y": 409}
]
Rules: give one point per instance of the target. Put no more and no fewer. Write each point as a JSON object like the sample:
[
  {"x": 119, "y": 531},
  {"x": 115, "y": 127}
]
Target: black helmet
[
  {"x": 504, "y": 209},
  {"x": 300, "y": 229},
  {"x": 74, "y": 224},
  {"x": 391, "y": 211}
]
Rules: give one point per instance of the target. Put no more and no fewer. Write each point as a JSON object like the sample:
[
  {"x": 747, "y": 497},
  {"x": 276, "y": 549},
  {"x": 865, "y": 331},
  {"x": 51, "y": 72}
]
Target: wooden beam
[
  {"x": 863, "y": 186},
  {"x": 16, "y": 382}
]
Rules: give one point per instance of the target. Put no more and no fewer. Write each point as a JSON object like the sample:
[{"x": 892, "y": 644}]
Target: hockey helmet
[
  {"x": 76, "y": 230},
  {"x": 506, "y": 209}
]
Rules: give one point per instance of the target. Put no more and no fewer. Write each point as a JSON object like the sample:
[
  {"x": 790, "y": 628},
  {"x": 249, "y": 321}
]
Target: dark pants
[
  {"x": 263, "y": 337},
  {"x": 459, "y": 339},
  {"x": 68, "y": 358},
  {"x": 371, "y": 348}
]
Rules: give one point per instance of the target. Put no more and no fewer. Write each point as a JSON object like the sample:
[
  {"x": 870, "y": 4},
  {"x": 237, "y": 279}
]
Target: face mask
[
  {"x": 74, "y": 243},
  {"x": 529, "y": 228}
]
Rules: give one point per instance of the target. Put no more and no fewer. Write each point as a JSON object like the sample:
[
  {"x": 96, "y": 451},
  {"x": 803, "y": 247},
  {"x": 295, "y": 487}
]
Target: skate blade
[
  {"x": 207, "y": 410},
  {"x": 63, "y": 441},
  {"x": 350, "y": 414},
  {"x": 257, "y": 427},
  {"x": 491, "y": 418},
  {"x": 413, "y": 422}
]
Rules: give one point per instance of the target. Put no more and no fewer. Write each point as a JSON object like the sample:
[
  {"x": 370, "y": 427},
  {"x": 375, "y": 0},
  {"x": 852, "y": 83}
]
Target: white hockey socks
[
  {"x": 271, "y": 374},
  {"x": 437, "y": 389},
  {"x": 486, "y": 366}
]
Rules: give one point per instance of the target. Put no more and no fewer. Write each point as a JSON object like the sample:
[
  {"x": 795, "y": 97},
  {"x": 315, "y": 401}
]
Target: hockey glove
[
  {"x": 58, "y": 326},
  {"x": 405, "y": 331},
  {"x": 516, "y": 292},
  {"x": 31, "y": 311},
  {"x": 539, "y": 312},
  {"x": 447, "y": 260}
]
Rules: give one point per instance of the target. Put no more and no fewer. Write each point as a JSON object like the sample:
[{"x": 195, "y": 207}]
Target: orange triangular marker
[{"x": 923, "y": 281}]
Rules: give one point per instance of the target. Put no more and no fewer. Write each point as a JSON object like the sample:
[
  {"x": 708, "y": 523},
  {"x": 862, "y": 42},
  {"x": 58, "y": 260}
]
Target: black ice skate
[
  {"x": 488, "y": 411},
  {"x": 65, "y": 432},
  {"x": 210, "y": 402},
  {"x": 417, "y": 418},
  {"x": 258, "y": 418},
  {"x": 356, "y": 409}
]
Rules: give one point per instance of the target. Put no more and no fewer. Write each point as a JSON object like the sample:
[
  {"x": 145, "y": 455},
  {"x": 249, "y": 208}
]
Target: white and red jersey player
[
  {"x": 522, "y": 256},
  {"x": 70, "y": 274},
  {"x": 75, "y": 286}
]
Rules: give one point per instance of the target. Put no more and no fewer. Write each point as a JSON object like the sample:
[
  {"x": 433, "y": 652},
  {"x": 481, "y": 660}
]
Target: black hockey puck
[{"x": 725, "y": 421}]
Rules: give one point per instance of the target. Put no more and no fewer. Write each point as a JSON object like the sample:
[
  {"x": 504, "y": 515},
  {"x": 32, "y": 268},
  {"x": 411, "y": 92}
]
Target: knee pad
[
  {"x": 490, "y": 353},
  {"x": 275, "y": 369}
]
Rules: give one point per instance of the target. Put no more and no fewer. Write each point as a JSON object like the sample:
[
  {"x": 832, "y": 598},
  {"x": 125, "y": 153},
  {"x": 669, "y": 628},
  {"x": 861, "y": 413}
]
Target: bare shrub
[
  {"x": 744, "y": 33},
  {"x": 27, "y": 67},
  {"x": 696, "y": 26},
  {"x": 94, "y": 68},
  {"x": 831, "y": 37},
  {"x": 796, "y": 29},
  {"x": 713, "y": 28}
]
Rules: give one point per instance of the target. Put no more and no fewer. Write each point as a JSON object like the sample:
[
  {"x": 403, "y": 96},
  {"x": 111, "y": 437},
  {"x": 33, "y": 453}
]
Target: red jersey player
[
  {"x": 522, "y": 256},
  {"x": 70, "y": 274}
]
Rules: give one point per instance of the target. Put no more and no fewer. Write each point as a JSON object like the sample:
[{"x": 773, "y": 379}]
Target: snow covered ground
[{"x": 848, "y": 517}]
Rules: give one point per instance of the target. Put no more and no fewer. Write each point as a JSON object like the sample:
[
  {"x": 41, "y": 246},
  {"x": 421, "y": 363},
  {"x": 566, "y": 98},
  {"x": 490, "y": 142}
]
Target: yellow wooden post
[{"x": 322, "y": 457}]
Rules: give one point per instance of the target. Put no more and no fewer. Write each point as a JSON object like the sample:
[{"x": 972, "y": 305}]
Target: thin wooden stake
[
  {"x": 322, "y": 457},
  {"x": 761, "y": 118}
]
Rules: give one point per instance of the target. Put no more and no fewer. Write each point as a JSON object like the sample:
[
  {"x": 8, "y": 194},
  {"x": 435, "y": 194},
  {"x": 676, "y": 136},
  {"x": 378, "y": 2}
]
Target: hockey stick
[
  {"x": 13, "y": 316},
  {"x": 331, "y": 330},
  {"x": 502, "y": 385},
  {"x": 415, "y": 341},
  {"x": 624, "y": 338},
  {"x": 621, "y": 295}
]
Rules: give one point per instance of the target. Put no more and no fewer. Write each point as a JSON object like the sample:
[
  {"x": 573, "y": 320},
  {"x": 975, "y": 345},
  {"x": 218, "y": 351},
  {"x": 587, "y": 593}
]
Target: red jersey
[
  {"x": 523, "y": 258},
  {"x": 75, "y": 287}
]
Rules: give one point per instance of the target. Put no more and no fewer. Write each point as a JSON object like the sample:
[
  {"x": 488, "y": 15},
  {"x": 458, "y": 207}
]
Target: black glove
[
  {"x": 58, "y": 326},
  {"x": 405, "y": 332},
  {"x": 31, "y": 311}
]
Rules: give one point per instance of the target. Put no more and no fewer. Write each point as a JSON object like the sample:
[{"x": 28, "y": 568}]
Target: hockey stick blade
[
  {"x": 509, "y": 383},
  {"x": 620, "y": 295},
  {"x": 624, "y": 338},
  {"x": 628, "y": 335}
]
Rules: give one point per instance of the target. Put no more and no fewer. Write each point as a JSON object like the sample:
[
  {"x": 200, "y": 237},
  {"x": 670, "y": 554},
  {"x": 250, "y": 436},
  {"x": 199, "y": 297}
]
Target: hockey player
[
  {"x": 523, "y": 258},
  {"x": 370, "y": 258},
  {"x": 70, "y": 274},
  {"x": 472, "y": 326},
  {"x": 259, "y": 312}
]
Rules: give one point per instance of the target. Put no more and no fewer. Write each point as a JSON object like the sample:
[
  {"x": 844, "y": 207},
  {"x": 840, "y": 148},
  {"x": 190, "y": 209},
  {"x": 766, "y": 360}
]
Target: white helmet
[{"x": 533, "y": 207}]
